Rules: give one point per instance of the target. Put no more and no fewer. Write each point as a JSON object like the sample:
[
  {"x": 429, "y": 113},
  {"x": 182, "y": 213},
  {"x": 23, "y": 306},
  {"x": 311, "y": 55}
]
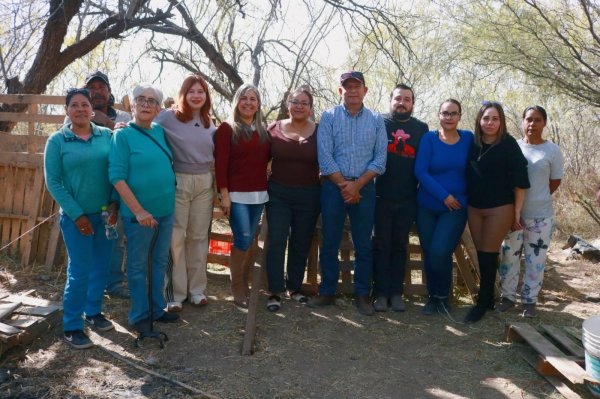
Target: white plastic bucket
[{"x": 591, "y": 344}]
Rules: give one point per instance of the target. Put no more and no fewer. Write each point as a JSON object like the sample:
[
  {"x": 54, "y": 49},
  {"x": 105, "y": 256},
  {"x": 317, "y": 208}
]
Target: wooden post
[
  {"x": 250, "y": 330},
  {"x": 33, "y": 197},
  {"x": 52, "y": 243}
]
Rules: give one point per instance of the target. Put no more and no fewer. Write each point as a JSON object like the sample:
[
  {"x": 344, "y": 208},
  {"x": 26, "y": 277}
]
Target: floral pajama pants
[{"x": 532, "y": 242}]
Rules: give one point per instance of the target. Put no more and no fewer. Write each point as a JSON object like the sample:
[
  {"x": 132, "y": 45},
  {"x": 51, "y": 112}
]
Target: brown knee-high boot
[{"x": 239, "y": 287}]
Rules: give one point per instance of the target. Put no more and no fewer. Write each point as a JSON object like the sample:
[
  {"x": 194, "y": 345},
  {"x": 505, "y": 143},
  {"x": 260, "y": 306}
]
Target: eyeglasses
[
  {"x": 300, "y": 103},
  {"x": 150, "y": 102},
  {"x": 447, "y": 114}
]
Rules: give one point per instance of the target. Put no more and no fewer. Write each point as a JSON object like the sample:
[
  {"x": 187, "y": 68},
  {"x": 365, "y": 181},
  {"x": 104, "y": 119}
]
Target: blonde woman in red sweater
[{"x": 242, "y": 151}]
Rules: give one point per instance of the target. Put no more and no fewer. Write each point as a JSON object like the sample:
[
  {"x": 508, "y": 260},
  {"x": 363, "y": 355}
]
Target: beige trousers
[{"x": 189, "y": 244}]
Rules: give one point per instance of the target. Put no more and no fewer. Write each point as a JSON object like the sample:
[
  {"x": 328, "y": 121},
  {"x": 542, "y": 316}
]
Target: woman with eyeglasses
[
  {"x": 294, "y": 198},
  {"x": 242, "y": 151},
  {"x": 76, "y": 172},
  {"x": 189, "y": 132},
  {"x": 442, "y": 201},
  {"x": 545, "y": 167},
  {"x": 141, "y": 169},
  {"x": 496, "y": 181}
]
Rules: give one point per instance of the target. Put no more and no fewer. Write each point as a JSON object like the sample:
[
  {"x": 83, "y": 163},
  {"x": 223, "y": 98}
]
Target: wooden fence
[{"x": 24, "y": 201}]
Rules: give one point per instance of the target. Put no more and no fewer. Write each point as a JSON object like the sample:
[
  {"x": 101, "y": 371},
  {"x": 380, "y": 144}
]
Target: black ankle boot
[
  {"x": 488, "y": 266},
  {"x": 475, "y": 314}
]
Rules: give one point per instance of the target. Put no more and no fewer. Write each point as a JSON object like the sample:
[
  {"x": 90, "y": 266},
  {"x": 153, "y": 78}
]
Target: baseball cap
[
  {"x": 98, "y": 76},
  {"x": 352, "y": 75}
]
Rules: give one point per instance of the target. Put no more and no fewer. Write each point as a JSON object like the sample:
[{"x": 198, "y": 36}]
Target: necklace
[{"x": 484, "y": 152}]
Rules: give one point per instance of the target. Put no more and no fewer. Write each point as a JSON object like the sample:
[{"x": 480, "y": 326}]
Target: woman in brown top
[{"x": 294, "y": 198}]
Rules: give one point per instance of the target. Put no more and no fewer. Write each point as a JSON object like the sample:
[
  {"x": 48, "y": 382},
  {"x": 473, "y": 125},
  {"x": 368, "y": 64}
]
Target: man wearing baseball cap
[
  {"x": 351, "y": 144},
  {"x": 105, "y": 115},
  {"x": 102, "y": 101}
]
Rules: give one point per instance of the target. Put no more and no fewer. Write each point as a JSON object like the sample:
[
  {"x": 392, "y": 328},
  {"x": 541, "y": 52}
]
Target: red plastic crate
[{"x": 219, "y": 247}]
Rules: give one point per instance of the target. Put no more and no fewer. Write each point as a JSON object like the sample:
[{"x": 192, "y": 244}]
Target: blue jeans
[
  {"x": 147, "y": 247},
  {"x": 333, "y": 214},
  {"x": 244, "y": 220},
  {"x": 292, "y": 214},
  {"x": 87, "y": 270},
  {"x": 439, "y": 234},
  {"x": 393, "y": 221},
  {"x": 116, "y": 275}
]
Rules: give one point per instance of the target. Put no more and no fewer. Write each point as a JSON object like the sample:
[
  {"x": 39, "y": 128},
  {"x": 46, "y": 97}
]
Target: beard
[{"x": 402, "y": 116}]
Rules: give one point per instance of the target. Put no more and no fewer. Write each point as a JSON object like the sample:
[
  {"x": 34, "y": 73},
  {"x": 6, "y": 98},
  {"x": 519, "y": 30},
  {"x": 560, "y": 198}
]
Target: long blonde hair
[{"x": 240, "y": 128}]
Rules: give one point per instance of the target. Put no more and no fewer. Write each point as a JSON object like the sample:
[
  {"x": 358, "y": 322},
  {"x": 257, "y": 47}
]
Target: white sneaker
[
  {"x": 198, "y": 300},
  {"x": 174, "y": 307}
]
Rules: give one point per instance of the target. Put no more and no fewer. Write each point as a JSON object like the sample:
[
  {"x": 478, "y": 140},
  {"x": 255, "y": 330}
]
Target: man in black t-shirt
[{"x": 396, "y": 204}]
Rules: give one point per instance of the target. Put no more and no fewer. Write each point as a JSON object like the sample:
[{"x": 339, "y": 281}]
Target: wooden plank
[
  {"x": 24, "y": 321},
  {"x": 28, "y": 300},
  {"x": 6, "y": 182},
  {"x": 42, "y": 326},
  {"x": 260, "y": 261},
  {"x": 31, "y": 99},
  {"x": 32, "y": 118},
  {"x": 9, "y": 330},
  {"x": 551, "y": 354},
  {"x": 21, "y": 143},
  {"x": 346, "y": 265},
  {"x": 33, "y": 111},
  {"x": 466, "y": 272},
  {"x": 574, "y": 332},
  {"x": 37, "y": 310},
  {"x": 17, "y": 206},
  {"x": 52, "y": 243},
  {"x": 22, "y": 160},
  {"x": 218, "y": 259},
  {"x": 221, "y": 237},
  {"x": 469, "y": 245},
  {"x": 566, "y": 342},
  {"x": 7, "y": 308},
  {"x": 33, "y": 196},
  {"x": 312, "y": 267},
  {"x": 560, "y": 386}
]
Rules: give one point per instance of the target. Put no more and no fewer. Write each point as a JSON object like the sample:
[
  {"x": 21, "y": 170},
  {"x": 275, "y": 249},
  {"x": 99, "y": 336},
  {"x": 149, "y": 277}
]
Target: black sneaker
[
  {"x": 168, "y": 318},
  {"x": 431, "y": 307},
  {"x": 99, "y": 322},
  {"x": 77, "y": 339}
]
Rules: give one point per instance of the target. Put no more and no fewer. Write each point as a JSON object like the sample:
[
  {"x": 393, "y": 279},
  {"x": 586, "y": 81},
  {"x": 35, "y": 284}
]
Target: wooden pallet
[
  {"x": 23, "y": 318},
  {"x": 560, "y": 356}
]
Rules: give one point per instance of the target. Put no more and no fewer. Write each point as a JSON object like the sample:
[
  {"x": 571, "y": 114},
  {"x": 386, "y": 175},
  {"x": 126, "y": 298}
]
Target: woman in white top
[{"x": 532, "y": 235}]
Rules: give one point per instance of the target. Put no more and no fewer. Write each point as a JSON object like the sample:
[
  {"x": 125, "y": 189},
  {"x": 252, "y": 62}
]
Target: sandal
[
  {"x": 298, "y": 297},
  {"x": 274, "y": 303}
]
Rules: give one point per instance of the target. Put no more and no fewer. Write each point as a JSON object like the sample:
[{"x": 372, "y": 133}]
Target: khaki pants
[{"x": 189, "y": 244}]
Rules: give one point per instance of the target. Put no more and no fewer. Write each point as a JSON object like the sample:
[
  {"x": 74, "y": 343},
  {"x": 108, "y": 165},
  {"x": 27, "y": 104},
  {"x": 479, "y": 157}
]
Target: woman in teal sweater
[
  {"x": 76, "y": 172},
  {"x": 140, "y": 168}
]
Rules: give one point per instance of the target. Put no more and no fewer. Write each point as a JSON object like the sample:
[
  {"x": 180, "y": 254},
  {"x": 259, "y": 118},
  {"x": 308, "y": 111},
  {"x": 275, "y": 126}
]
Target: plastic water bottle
[{"x": 109, "y": 229}]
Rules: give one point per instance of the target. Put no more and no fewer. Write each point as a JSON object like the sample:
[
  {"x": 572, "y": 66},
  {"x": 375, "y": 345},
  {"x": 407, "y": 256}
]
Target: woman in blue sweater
[
  {"x": 141, "y": 170},
  {"x": 76, "y": 171},
  {"x": 442, "y": 201}
]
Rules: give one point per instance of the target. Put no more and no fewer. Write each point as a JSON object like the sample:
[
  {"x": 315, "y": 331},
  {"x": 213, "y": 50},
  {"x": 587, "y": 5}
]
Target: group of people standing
[{"x": 382, "y": 171}]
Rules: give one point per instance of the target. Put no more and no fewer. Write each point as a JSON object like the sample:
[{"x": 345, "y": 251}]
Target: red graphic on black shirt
[{"x": 399, "y": 146}]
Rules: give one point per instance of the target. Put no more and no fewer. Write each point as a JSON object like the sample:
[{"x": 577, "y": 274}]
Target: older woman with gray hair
[{"x": 140, "y": 168}]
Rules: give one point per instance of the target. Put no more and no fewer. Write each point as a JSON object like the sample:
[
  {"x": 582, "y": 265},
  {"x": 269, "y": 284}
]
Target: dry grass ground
[{"x": 300, "y": 352}]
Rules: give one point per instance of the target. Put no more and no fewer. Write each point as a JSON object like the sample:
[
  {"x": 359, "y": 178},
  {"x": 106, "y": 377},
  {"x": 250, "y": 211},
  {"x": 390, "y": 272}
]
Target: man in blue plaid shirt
[{"x": 352, "y": 143}]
